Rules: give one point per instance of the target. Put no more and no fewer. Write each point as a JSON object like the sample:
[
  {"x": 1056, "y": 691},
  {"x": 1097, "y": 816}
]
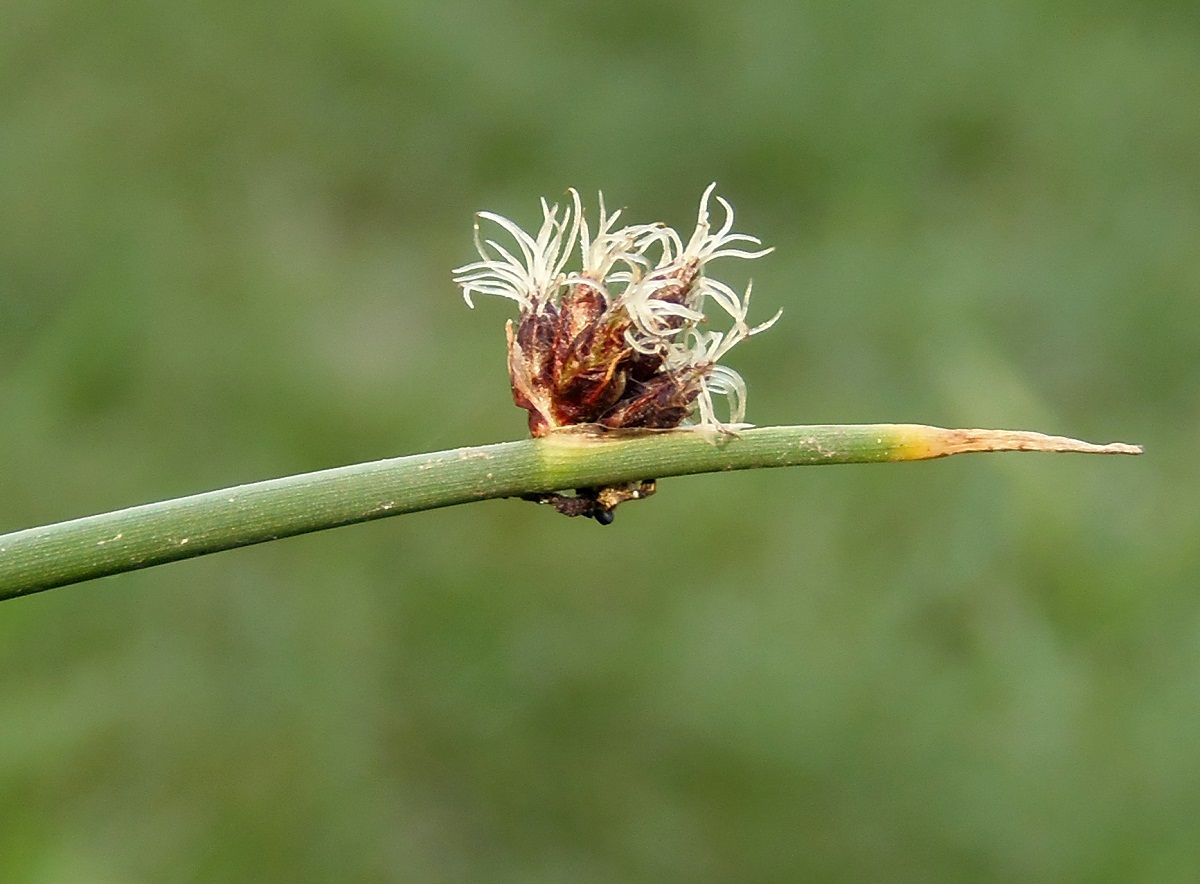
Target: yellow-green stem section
[{"x": 125, "y": 540}]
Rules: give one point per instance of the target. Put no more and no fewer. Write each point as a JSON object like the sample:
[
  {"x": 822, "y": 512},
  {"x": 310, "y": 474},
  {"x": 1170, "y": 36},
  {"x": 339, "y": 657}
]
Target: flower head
[{"x": 618, "y": 342}]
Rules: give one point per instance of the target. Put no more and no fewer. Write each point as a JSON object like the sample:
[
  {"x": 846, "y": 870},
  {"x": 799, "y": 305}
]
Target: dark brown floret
[
  {"x": 574, "y": 365},
  {"x": 595, "y": 503}
]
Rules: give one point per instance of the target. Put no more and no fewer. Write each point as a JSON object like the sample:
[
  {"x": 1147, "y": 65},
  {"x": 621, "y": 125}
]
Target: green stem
[{"x": 125, "y": 540}]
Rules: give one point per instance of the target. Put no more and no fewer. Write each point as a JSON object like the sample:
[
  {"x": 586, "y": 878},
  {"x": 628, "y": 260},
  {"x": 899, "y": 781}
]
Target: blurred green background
[{"x": 226, "y": 234}]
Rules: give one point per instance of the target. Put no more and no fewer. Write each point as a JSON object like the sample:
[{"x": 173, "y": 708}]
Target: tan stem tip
[{"x": 964, "y": 441}]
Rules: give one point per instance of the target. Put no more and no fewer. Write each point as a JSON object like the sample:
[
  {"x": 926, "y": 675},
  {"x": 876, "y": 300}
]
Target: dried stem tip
[
  {"x": 618, "y": 342},
  {"x": 923, "y": 443}
]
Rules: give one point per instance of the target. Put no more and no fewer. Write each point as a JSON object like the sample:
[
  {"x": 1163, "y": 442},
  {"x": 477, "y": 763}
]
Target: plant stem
[{"x": 125, "y": 540}]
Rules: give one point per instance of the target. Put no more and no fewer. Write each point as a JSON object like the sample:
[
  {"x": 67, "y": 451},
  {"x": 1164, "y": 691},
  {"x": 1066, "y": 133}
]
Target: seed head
[{"x": 618, "y": 342}]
